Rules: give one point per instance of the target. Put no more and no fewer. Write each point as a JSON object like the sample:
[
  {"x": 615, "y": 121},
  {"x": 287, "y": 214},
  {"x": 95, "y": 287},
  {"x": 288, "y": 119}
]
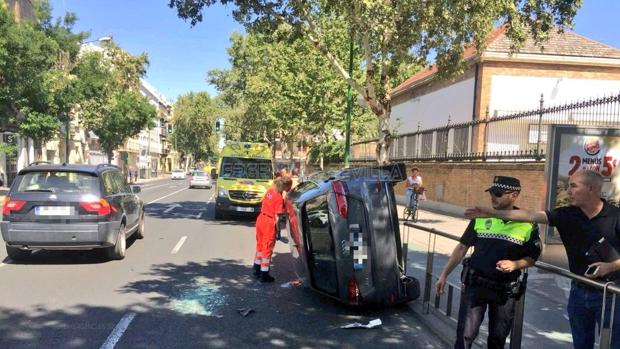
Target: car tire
[
  {"x": 17, "y": 254},
  {"x": 140, "y": 229},
  {"x": 119, "y": 249},
  {"x": 218, "y": 215}
]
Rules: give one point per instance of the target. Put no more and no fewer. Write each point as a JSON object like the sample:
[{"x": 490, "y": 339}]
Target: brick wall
[{"x": 463, "y": 184}]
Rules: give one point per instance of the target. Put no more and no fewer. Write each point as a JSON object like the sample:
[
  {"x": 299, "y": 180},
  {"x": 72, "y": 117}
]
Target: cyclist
[{"x": 414, "y": 183}]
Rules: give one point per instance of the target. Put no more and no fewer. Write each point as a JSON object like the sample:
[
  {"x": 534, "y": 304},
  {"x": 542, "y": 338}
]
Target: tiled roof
[{"x": 567, "y": 43}]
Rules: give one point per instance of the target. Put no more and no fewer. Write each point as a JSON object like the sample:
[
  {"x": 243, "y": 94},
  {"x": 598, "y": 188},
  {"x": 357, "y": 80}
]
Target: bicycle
[{"x": 411, "y": 208}]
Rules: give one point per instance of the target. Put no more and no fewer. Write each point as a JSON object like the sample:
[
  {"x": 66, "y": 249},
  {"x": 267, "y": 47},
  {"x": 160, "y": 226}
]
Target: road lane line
[
  {"x": 178, "y": 245},
  {"x": 118, "y": 331},
  {"x": 165, "y": 196},
  {"x": 157, "y": 186}
]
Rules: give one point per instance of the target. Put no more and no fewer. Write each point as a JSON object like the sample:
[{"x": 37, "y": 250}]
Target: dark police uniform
[
  {"x": 486, "y": 287},
  {"x": 580, "y": 235}
]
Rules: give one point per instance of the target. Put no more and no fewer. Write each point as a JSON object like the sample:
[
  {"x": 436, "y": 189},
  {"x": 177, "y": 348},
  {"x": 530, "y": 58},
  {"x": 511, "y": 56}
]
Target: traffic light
[
  {"x": 217, "y": 125},
  {"x": 170, "y": 128}
]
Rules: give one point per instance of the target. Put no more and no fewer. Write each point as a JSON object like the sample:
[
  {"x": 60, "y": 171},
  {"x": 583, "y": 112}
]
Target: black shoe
[
  {"x": 256, "y": 270},
  {"x": 265, "y": 277}
]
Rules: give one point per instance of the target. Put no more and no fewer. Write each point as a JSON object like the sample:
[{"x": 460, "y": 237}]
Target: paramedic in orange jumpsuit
[{"x": 272, "y": 205}]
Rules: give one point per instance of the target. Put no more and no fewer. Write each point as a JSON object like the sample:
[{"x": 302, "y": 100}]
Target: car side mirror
[{"x": 136, "y": 189}]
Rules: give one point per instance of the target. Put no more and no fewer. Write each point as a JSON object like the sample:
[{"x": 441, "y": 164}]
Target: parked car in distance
[
  {"x": 71, "y": 207},
  {"x": 178, "y": 174},
  {"x": 200, "y": 179},
  {"x": 344, "y": 235}
]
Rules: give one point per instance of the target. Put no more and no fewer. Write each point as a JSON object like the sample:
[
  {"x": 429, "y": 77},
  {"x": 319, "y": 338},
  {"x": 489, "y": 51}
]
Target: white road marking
[
  {"x": 178, "y": 245},
  {"x": 199, "y": 215},
  {"x": 157, "y": 186},
  {"x": 165, "y": 196},
  {"x": 211, "y": 198},
  {"x": 171, "y": 207},
  {"x": 118, "y": 331}
]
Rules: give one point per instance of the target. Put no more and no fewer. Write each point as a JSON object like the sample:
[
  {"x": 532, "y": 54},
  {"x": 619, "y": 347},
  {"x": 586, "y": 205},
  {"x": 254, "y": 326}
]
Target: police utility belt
[{"x": 471, "y": 277}]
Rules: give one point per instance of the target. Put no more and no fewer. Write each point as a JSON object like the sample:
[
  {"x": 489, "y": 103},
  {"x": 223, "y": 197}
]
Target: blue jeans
[
  {"x": 584, "y": 313},
  {"x": 411, "y": 198}
]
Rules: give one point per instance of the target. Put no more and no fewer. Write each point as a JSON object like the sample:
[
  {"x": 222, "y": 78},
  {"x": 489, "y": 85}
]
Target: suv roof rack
[
  {"x": 39, "y": 163},
  {"x": 107, "y": 165}
]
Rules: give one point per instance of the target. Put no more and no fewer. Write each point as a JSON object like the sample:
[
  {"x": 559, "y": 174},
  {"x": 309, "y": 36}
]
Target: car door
[{"x": 128, "y": 198}]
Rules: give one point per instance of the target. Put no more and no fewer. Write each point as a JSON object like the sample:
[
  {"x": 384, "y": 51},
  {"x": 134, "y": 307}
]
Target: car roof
[{"x": 92, "y": 169}]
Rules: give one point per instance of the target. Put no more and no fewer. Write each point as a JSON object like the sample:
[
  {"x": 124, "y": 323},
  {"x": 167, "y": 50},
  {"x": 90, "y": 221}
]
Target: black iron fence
[{"x": 516, "y": 135}]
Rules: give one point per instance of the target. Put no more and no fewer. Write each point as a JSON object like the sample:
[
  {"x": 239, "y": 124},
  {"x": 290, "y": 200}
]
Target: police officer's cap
[{"x": 504, "y": 184}]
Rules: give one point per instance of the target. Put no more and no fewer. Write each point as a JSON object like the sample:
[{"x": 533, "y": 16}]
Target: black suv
[{"x": 71, "y": 207}]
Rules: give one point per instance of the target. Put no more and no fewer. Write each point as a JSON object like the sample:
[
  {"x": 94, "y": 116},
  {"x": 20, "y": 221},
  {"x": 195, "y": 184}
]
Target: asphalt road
[{"x": 181, "y": 287}]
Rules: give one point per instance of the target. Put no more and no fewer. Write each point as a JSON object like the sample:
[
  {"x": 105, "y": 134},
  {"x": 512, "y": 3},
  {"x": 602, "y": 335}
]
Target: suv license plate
[
  {"x": 52, "y": 211},
  {"x": 245, "y": 209}
]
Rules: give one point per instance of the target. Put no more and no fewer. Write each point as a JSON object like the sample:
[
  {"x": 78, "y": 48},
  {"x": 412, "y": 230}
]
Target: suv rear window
[{"x": 58, "y": 182}]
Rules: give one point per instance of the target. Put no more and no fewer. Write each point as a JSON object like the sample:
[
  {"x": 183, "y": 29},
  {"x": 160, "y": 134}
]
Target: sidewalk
[{"x": 152, "y": 179}]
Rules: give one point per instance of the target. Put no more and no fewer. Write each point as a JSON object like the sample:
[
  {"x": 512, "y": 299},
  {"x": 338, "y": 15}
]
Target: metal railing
[
  {"x": 503, "y": 135},
  {"x": 517, "y": 329}
]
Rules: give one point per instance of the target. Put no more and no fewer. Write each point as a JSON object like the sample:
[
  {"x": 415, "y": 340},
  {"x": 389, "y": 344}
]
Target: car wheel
[
  {"x": 140, "y": 230},
  {"x": 17, "y": 254},
  {"x": 120, "y": 248},
  {"x": 218, "y": 215}
]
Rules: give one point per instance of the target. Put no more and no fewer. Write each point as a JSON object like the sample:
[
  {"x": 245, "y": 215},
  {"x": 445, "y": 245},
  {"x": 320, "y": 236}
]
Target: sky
[{"x": 180, "y": 55}]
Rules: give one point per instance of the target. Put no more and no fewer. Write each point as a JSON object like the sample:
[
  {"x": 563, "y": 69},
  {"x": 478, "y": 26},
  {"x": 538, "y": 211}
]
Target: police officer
[
  {"x": 490, "y": 277},
  {"x": 272, "y": 206}
]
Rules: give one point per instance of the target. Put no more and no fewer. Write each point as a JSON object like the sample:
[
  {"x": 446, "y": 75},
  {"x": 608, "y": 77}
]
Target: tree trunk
[
  {"x": 384, "y": 140},
  {"x": 110, "y": 156},
  {"x": 38, "y": 152}
]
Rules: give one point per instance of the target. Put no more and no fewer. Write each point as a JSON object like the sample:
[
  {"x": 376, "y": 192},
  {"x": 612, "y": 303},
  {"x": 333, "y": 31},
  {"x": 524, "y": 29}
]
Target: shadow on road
[{"x": 53, "y": 257}]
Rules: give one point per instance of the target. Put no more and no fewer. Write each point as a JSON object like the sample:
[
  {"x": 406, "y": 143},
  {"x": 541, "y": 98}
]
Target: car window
[
  {"x": 199, "y": 174},
  {"x": 121, "y": 183},
  {"x": 58, "y": 182},
  {"x": 246, "y": 168},
  {"x": 109, "y": 187},
  {"x": 321, "y": 245}
]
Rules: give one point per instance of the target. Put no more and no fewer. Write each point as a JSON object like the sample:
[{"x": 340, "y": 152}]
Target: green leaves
[
  {"x": 194, "y": 123},
  {"x": 39, "y": 126},
  {"x": 108, "y": 95},
  {"x": 393, "y": 37}
]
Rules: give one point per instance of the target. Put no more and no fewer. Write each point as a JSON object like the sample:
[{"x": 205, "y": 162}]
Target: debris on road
[
  {"x": 289, "y": 284},
  {"x": 204, "y": 299},
  {"x": 371, "y": 324},
  {"x": 245, "y": 311}
]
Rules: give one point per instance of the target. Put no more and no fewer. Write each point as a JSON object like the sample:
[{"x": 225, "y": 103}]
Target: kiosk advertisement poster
[{"x": 575, "y": 148}]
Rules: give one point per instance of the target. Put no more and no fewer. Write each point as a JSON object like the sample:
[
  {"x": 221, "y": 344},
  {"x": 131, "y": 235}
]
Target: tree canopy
[
  {"x": 194, "y": 123},
  {"x": 280, "y": 87},
  {"x": 110, "y": 102},
  {"x": 35, "y": 81},
  {"x": 393, "y": 34}
]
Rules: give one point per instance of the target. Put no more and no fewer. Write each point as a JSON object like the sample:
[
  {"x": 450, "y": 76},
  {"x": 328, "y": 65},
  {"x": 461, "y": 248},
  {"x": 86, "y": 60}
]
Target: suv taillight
[
  {"x": 353, "y": 291},
  {"x": 340, "y": 189},
  {"x": 12, "y": 205},
  {"x": 102, "y": 207}
]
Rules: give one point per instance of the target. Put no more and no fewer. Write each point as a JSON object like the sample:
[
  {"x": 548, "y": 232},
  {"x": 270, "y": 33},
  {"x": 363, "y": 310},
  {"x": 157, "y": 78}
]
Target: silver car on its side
[
  {"x": 200, "y": 179},
  {"x": 344, "y": 235}
]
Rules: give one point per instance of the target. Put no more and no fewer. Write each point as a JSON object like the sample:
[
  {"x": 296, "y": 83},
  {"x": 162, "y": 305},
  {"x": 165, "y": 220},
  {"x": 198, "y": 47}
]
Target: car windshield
[
  {"x": 58, "y": 182},
  {"x": 178, "y": 171},
  {"x": 199, "y": 174},
  {"x": 246, "y": 168}
]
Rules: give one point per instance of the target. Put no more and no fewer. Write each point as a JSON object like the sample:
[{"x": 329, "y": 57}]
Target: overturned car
[{"x": 344, "y": 236}]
